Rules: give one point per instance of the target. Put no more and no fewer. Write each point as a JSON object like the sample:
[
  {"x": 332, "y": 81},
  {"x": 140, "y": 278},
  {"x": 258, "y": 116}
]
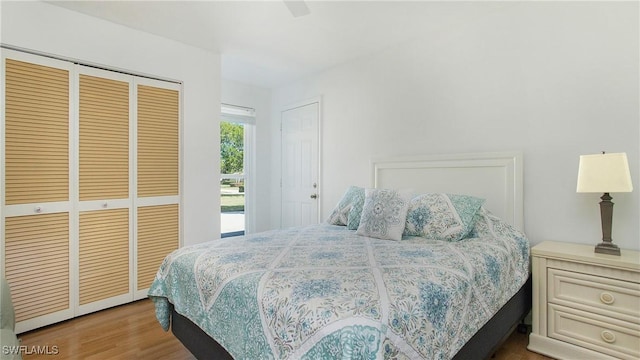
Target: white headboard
[{"x": 496, "y": 177}]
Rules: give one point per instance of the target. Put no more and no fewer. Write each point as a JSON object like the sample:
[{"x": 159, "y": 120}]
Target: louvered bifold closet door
[
  {"x": 37, "y": 263},
  {"x": 104, "y": 138},
  {"x": 35, "y": 187},
  {"x": 104, "y": 254},
  {"x": 158, "y": 141},
  {"x": 104, "y": 189},
  {"x": 37, "y": 133},
  {"x": 157, "y": 236},
  {"x": 158, "y": 173}
]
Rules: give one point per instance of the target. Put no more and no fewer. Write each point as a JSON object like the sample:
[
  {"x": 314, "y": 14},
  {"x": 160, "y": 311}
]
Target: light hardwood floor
[{"x": 132, "y": 332}]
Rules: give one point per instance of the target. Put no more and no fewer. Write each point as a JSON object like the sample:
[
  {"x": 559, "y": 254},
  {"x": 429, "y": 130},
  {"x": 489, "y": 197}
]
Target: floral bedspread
[{"x": 323, "y": 292}]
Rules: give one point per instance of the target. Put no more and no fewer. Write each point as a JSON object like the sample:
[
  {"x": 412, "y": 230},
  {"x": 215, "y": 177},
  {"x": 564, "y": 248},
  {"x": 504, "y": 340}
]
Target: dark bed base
[
  {"x": 481, "y": 346},
  {"x": 495, "y": 332}
]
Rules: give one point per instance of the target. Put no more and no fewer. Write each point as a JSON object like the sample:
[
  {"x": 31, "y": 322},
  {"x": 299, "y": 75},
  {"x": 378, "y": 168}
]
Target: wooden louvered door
[
  {"x": 35, "y": 209},
  {"x": 158, "y": 143},
  {"x": 105, "y": 201},
  {"x": 90, "y": 195}
]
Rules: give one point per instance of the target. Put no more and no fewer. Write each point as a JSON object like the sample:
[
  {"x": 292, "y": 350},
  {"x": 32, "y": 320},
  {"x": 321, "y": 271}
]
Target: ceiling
[{"x": 262, "y": 43}]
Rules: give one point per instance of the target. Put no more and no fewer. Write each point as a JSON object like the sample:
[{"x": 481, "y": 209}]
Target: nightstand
[{"x": 585, "y": 305}]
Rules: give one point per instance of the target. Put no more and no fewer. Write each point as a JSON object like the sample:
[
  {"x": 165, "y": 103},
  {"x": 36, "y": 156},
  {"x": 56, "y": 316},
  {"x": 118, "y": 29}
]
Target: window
[{"x": 236, "y": 168}]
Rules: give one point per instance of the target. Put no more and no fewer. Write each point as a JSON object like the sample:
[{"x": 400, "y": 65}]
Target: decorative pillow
[
  {"x": 356, "y": 209},
  {"x": 442, "y": 216},
  {"x": 384, "y": 213},
  {"x": 341, "y": 213}
]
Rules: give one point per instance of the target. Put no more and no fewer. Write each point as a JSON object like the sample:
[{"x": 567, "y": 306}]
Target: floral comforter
[{"x": 323, "y": 292}]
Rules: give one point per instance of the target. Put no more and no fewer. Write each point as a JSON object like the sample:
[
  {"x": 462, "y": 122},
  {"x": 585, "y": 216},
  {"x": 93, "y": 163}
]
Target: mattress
[{"x": 324, "y": 292}]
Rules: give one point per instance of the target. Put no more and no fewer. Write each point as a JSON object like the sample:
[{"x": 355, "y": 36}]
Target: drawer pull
[
  {"x": 607, "y": 298},
  {"x": 608, "y": 336}
]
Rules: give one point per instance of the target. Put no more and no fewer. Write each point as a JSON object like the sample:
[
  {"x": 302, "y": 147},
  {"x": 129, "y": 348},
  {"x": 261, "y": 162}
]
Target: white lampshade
[{"x": 604, "y": 173}]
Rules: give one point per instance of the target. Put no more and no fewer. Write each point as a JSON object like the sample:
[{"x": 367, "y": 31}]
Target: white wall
[
  {"x": 47, "y": 28},
  {"x": 554, "y": 80},
  {"x": 236, "y": 93}
]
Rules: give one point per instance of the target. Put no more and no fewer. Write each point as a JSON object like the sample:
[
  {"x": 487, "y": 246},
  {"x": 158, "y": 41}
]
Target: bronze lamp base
[
  {"x": 608, "y": 248},
  {"x": 606, "y": 214}
]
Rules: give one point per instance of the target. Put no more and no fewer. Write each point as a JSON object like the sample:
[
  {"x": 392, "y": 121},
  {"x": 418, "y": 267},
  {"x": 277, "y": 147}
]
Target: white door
[{"x": 300, "y": 165}]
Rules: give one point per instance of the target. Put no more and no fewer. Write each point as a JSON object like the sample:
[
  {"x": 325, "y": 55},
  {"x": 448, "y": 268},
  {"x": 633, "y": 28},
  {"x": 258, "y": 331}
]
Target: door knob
[{"x": 314, "y": 196}]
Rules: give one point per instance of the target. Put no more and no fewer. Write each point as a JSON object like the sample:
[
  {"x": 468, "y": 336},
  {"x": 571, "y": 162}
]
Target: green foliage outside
[
  {"x": 231, "y": 148},
  {"x": 231, "y": 162}
]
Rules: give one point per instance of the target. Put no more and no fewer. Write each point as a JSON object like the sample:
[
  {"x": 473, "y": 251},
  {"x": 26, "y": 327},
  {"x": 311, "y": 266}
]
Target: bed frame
[{"x": 497, "y": 177}]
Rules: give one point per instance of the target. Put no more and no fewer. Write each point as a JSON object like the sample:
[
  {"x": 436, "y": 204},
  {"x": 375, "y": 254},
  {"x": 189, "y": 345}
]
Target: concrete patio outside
[{"x": 231, "y": 221}]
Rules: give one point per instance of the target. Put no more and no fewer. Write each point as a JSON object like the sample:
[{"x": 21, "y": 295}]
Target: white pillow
[{"x": 384, "y": 213}]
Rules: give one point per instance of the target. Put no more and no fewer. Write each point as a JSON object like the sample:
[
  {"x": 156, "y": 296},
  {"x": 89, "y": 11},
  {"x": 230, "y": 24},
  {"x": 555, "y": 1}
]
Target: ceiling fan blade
[{"x": 297, "y": 7}]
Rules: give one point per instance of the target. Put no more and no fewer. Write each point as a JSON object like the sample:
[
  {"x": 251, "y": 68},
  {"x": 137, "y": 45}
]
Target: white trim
[
  {"x": 319, "y": 190},
  {"x": 140, "y": 294},
  {"x": 237, "y": 114},
  {"x": 249, "y": 163},
  {"x": 74, "y": 189},
  {"x": 505, "y": 166},
  {"x": 133, "y": 186},
  {"x": 109, "y": 204},
  {"x": 71, "y": 61},
  {"x": 44, "y": 320},
  {"x": 158, "y": 200},
  {"x": 36, "y": 208},
  {"x": 104, "y": 303},
  {"x": 181, "y": 181},
  {"x": 302, "y": 103}
]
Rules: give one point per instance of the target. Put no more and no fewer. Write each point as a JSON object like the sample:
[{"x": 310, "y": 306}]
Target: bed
[{"x": 332, "y": 291}]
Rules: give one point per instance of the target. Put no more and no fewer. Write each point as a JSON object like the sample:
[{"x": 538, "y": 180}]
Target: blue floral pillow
[
  {"x": 384, "y": 213},
  {"x": 356, "y": 209},
  {"x": 442, "y": 216},
  {"x": 341, "y": 214}
]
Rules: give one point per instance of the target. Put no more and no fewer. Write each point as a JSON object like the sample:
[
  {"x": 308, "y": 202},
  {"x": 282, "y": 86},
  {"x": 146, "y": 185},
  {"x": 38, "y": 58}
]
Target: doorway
[
  {"x": 236, "y": 169},
  {"x": 300, "y": 187}
]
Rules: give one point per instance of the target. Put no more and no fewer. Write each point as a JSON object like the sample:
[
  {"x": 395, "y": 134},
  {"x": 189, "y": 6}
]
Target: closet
[{"x": 90, "y": 185}]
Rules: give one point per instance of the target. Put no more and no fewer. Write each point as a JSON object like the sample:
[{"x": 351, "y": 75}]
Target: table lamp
[{"x": 605, "y": 173}]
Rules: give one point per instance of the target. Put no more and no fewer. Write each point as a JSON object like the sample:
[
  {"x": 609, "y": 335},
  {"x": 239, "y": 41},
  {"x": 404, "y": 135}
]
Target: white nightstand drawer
[
  {"x": 615, "y": 298},
  {"x": 600, "y": 333}
]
